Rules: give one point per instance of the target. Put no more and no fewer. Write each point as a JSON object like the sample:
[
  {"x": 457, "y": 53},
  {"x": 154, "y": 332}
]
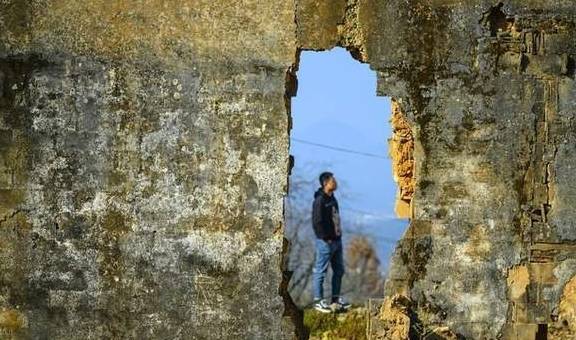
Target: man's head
[{"x": 328, "y": 182}]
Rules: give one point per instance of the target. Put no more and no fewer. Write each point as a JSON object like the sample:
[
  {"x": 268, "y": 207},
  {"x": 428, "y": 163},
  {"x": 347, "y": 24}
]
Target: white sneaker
[{"x": 322, "y": 306}]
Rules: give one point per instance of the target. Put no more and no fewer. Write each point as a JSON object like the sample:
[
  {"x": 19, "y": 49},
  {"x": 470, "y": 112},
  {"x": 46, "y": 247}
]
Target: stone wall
[
  {"x": 401, "y": 150},
  {"x": 144, "y": 158},
  {"x": 144, "y": 153},
  {"x": 489, "y": 91}
]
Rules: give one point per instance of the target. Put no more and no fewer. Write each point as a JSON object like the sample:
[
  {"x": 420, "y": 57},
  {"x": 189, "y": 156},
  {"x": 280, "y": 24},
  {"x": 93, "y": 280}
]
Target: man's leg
[
  {"x": 320, "y": 268},
  {"x": 337, "y": 262}
]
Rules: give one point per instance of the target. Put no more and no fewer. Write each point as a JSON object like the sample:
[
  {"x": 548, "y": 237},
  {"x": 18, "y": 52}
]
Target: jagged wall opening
[
  {"x": 401, "y": 152},
  {"x": 320, "y": 26}
]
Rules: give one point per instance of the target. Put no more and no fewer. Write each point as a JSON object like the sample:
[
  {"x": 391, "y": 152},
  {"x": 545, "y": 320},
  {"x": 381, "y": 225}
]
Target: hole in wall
[
  {"x": 339, "y": 124},
  {"x": 497, "y": 20},
  {"x": 542, "y": 333}
]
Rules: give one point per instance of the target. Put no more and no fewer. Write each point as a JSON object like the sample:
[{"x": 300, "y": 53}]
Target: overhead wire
[
  {"x": 350, "y": 151},
  {"x": 340, "y": 149}
]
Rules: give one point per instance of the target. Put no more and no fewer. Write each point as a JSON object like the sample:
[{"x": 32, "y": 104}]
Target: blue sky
[{"x": 336, "y": 105}]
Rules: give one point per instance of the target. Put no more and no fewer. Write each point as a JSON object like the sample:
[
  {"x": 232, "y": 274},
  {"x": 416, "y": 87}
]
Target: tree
[
  {"x": 301, "y": 236},
  {"x": 363, "y": 270}
]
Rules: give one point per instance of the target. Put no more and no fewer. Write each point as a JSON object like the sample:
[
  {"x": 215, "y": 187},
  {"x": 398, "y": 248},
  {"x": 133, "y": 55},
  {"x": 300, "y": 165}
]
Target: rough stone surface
[
  {"x": 401, "y": 149},
  {"x": 143, "y": 162},
  {"x": 564, "y": 326},
  {"x": 487, "y": 90},
  {"x": 394, "y": 319},
  {"x": 144, "y": 157}
]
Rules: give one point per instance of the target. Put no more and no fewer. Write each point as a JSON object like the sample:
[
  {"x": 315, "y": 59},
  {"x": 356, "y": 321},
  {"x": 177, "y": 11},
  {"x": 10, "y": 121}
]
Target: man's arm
[{"x": 317, "y": 221}]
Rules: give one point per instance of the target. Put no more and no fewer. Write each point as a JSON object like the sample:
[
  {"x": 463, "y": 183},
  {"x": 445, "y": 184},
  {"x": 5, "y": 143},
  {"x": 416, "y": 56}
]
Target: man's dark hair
[{"x": 326, "y": 175}]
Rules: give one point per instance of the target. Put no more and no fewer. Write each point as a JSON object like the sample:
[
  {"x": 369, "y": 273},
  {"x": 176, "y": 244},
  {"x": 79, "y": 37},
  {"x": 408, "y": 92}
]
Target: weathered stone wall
[
  {"x": 490, "y": 94},
  {"x": 143, "y": 162},
  {"x": 144, "y": 156}
]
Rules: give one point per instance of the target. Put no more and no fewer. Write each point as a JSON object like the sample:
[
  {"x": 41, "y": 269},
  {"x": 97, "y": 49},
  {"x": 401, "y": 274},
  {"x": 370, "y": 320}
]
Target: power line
[{"x": 336, "y": 148}]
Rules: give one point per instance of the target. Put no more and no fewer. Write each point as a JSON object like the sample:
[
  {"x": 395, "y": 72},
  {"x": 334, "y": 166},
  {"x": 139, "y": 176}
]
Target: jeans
[{"x": 327, "y": 253}]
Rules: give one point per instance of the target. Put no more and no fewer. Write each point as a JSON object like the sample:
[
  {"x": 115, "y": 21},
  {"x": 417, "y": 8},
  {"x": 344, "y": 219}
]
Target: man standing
[{"x": 328, "y": 243}]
